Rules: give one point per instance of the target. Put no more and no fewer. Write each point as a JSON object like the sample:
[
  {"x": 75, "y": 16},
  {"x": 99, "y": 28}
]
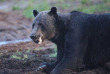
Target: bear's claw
[{"x": 40, "y": 68}]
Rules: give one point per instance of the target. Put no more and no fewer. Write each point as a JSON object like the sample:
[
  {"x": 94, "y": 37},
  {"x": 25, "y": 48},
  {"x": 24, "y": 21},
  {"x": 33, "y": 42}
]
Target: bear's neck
[{"x": 62, "y": 20}]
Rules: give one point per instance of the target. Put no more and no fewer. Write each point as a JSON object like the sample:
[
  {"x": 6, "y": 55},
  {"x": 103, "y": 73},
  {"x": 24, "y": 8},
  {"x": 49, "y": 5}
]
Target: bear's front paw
[{"x": 44, "y": 67}]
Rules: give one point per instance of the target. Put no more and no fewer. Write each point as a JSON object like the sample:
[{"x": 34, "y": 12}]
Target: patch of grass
[
  {"x": 106, "y": 0},
  {"x": 2, "y": 0},
  {"x": 40, "y": 6},
  {"x": 85, "y": 1},
  {"x": 95, "y": 8},
  {"x": 54, "y": 54},
  {"x": 38, "y": 48},
  {"x": 19, "y": 55},
  {"x": 15, "y": 8},
  {"x": 23, "y": 55},
  {"x": 16, "y": 57},
  {"x": 62, "y": 5}
]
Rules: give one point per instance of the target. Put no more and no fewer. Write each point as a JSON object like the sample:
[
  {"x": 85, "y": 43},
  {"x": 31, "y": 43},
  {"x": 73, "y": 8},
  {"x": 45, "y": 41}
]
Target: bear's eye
[
  {"x": 33, "y": 25},
  {"x": 41, "y": 25}
]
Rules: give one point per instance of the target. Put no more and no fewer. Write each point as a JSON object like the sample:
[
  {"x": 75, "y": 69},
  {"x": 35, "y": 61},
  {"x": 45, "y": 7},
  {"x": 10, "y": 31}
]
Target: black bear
[{"x": 83, "y": 40}]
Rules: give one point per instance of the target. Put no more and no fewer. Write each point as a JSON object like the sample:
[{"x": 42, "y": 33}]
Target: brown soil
[
  {"x": 14, "y": 26},
  {"x": 36, "y": 54}
]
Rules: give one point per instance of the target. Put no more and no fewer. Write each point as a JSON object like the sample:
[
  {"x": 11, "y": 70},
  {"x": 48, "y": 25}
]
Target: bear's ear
[
  {"x": 35, "y": 13},
  {"x": 53, "y": 10}
]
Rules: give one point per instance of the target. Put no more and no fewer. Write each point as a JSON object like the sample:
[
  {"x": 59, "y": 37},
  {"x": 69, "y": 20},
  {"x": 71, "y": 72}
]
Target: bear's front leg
[
  {"x": 68, "y": 62},
  {"x": 74, "y": 50},
  {"x": 48, "y": 67}
]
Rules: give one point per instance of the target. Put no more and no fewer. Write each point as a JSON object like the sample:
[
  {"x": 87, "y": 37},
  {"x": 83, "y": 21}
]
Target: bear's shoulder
[
  {"x": 77, "y": 15},
  {"x": 74, "y": 14},
  {"x": 75, "y": 11}
]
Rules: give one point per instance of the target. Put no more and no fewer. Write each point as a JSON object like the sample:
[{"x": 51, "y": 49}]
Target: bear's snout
[
  {"x": 36, "y": 39},
  {"x": 32, "y": 36}
]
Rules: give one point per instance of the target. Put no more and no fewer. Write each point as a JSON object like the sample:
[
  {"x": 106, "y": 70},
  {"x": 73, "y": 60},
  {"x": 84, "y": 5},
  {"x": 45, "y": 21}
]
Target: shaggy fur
[{"x": 83, "y": 40}]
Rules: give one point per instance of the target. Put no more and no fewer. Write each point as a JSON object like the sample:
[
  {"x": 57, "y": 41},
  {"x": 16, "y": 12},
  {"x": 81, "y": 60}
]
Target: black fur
[
  {"x": 83, "y": 40},
  {"x": 35, "y": 12},
  {"x": 53, "y": 10}
]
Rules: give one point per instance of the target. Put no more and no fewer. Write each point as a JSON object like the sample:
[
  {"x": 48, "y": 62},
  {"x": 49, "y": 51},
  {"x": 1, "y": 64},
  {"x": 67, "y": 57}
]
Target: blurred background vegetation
[{"x": 88, "y": 6}]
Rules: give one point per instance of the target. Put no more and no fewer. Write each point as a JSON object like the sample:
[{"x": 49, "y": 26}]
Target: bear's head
[{"x": 43, "y": 26}]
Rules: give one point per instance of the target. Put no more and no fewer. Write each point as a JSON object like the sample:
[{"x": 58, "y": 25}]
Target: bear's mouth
[{"x": 39, "y": 40}]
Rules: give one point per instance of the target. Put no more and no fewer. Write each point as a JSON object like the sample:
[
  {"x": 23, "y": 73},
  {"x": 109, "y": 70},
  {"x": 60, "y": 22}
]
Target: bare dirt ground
[
  {"x": 14, "y": 26},
  {"x": 24, "y": 58}
]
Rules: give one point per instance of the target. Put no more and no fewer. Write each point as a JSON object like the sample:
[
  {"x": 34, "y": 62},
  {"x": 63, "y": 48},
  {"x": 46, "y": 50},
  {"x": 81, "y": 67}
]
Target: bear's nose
[{"x": 32, "y": 36}]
